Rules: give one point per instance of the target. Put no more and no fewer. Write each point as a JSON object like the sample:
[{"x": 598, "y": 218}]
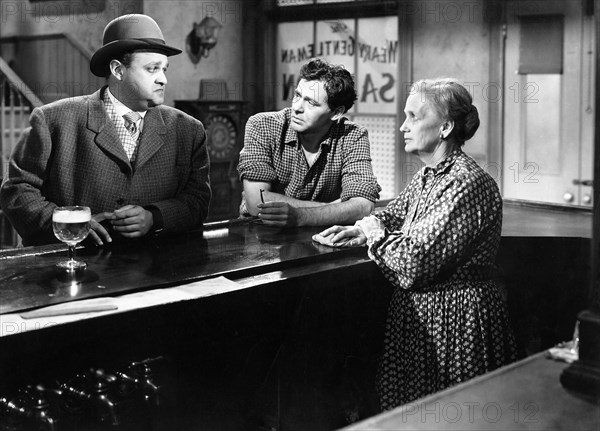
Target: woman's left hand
[{"x": 341, "y": 236}]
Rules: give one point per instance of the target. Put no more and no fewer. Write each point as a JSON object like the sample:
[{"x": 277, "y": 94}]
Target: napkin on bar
[
  {"x": 75, "y": 307},
  {"x": 148, "y": 298},
  {"x": 16, "y": 323}
]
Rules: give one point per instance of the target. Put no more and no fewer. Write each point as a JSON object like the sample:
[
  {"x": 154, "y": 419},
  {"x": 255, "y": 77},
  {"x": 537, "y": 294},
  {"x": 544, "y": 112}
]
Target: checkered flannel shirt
[{"x": 272, "y": 153}]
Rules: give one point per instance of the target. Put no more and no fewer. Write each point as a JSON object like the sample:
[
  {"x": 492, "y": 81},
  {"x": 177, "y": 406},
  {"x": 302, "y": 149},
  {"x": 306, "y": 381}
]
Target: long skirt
[{"x": 441, "y": 336}]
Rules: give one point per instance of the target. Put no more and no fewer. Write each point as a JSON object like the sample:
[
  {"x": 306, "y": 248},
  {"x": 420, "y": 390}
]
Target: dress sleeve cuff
[
  {"x": 375, "y": 236},
  {"x": 372, "y": 227}
]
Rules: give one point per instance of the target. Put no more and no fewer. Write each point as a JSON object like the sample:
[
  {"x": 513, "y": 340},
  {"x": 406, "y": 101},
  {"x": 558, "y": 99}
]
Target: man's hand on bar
[
  {"x": 132, "y": 221},
  {"x": 97, "y": 232},
  {"x": 279, "y": 213}
]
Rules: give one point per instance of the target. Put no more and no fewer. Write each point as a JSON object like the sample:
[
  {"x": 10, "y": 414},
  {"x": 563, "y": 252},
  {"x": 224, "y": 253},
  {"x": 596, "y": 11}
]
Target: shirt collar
[
  {"x": 121, "y": 109},
  {"x": 444, "y": 165},
  {"x": 291, "y": 136}
]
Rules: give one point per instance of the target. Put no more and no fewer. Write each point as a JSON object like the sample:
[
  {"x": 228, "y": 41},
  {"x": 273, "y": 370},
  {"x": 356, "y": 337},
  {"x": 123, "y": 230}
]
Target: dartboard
[{"x": 221, "y": 136}]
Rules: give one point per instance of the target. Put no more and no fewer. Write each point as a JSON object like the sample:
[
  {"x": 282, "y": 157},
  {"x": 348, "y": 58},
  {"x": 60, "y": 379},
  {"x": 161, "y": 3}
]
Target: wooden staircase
[
  {"x": 14, "y": 119},
  {"x": 54, "y": 66},
  {"x": 16, "y": 103},
  {"x": 34, "y": 70}
]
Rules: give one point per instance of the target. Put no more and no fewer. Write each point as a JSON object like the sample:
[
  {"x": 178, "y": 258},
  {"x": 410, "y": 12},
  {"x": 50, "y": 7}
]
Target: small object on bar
[
  {"x": 215, "y": 233},
  {"x": 563, "y": 353},
  {"x": 262, "y": 198},
  {"x": 567, "y": 351}
]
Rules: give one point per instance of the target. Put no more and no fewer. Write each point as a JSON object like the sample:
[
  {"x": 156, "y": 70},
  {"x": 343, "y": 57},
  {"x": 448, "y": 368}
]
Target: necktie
[
  {"x": 131, "y": 119},
  {"x": 130, "y": 124}
]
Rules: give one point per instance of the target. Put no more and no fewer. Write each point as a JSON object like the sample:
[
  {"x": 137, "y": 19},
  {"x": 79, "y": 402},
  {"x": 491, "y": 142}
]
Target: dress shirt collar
[{"x": 121, "y": 109}]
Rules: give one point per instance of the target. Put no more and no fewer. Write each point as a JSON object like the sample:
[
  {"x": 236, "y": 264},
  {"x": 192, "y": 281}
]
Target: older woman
[{"x": 437, "y": 243}]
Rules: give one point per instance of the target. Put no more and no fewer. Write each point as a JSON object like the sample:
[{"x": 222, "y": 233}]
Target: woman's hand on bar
[{"x": 341, "y": 236}]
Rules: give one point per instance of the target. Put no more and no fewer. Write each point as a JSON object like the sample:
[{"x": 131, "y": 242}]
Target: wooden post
[{"x": 584, "y": 375}]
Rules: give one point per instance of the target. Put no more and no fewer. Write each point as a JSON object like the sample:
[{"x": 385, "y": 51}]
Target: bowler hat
[{"x": 129, "y": 33}]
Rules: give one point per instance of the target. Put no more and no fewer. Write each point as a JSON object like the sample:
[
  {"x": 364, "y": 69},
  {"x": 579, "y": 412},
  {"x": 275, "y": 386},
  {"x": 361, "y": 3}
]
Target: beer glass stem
[{"x": 72, "y": 253}]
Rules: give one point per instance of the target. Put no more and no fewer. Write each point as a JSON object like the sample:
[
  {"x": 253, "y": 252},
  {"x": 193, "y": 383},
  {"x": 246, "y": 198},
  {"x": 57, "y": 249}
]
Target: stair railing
[{"x": 16, "y": 103}]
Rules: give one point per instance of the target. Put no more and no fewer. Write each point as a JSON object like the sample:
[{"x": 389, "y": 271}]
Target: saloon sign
[{"x": 368, "y": 48}]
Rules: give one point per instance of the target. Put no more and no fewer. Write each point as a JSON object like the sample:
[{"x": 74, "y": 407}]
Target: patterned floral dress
[{"x": 447, "y": 319}]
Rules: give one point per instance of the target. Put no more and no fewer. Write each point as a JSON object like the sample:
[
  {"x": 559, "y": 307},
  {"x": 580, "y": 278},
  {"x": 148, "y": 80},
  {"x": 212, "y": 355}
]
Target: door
[{"x": 548, "y": 102}]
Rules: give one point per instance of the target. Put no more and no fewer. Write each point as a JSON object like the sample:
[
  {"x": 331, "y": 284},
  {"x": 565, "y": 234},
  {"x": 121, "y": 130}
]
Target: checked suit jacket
[{"x": 72, "y": 155}]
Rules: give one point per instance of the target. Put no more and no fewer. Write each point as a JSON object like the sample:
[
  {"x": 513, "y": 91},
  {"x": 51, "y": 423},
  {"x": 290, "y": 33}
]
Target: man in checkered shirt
[{"x": 308, "y": 165}]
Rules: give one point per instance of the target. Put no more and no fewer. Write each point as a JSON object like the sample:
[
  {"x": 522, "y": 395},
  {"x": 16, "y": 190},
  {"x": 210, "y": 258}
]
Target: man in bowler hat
[{"x": 140, "y": 166}]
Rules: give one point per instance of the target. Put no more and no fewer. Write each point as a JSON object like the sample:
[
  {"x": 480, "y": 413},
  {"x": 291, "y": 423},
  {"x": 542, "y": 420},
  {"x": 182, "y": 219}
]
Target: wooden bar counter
[
  {"x": 232, "y": 249},
  {"x": 255, "y": 327},
  {"x": 225, "y": 309}
]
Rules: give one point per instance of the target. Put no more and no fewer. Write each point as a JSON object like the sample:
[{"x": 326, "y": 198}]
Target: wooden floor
[{"x": 526, "y": 395}]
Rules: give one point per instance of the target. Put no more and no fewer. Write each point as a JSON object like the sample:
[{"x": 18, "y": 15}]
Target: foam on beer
[{"x": 71, "y": 216}]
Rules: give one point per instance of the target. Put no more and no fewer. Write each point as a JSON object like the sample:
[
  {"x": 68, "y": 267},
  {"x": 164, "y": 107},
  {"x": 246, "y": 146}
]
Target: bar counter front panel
[{"x": 295, "y": 347}]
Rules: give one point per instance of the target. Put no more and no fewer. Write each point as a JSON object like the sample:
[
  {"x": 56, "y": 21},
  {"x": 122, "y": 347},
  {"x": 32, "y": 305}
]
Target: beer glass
[{"x": 71, "y": 225}]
